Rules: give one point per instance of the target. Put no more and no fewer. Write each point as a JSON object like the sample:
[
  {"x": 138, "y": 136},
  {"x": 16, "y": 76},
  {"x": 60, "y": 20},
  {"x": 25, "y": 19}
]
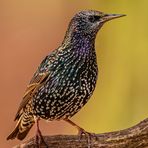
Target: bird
[{"x": 66, "y": 78}]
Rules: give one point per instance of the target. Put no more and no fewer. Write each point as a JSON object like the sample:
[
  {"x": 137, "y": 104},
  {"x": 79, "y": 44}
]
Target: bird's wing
[{"x": 36, "y": 82}]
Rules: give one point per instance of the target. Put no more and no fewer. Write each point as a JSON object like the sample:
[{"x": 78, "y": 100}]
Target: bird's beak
[{"x": 108, "y": 17}]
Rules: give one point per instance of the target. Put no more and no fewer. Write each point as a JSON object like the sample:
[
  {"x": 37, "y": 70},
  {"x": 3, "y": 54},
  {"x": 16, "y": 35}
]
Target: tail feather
[
  {"x": 22, "y": 128},
  {"x": 13, "y": 135},
  {"x": 19, "y": 135}
]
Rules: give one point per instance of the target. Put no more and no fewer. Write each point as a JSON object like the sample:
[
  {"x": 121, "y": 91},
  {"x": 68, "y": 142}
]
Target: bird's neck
[{"x": 80, "y": 43}]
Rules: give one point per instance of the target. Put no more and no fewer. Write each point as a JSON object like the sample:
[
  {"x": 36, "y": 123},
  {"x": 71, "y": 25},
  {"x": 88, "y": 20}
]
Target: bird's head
[
  {"x": 85, "y": 25},
  {"x": 90, "y": 21}
]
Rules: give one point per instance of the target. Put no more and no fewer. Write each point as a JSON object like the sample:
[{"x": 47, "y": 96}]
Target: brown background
[{"x": 31, "y": 29}]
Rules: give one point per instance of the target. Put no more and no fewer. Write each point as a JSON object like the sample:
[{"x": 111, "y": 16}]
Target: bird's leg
[
  {"x": 38, "y": 137},
  {"x": 82, "y": 132}
]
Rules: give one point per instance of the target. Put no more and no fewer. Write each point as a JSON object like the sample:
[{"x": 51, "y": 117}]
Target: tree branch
[{"x": 134, "y": 137}]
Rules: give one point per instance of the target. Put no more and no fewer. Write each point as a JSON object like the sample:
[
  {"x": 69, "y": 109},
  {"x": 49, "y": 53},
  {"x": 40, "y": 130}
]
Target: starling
[{"x": 65, "y": 79}]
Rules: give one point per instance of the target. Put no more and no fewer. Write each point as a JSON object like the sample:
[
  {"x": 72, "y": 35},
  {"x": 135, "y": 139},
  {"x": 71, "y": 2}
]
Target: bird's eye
[{"x": 94, "y": 18}]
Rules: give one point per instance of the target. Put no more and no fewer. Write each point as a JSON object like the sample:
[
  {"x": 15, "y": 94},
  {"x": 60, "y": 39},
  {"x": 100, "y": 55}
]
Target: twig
[{"x": 134, "y": 137}]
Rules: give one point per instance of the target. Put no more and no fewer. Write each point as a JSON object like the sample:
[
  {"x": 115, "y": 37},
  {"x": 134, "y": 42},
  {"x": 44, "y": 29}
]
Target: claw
[
  {"x": 38, "y": 137},
  {"x": 89, "y": 136},
  {"x": 40, "y": 140},
  {"x": 81, "y": 132}
]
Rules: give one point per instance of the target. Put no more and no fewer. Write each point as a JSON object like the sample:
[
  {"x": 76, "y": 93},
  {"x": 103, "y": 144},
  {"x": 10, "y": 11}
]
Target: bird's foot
[
  {"x": 38, "y": 137},
  {"x": 40, "y": 140},
  {"x": 89, "y": 136}
]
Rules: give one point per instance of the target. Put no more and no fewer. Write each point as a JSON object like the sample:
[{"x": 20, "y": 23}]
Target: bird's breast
[{"x": 67, "y": 91}]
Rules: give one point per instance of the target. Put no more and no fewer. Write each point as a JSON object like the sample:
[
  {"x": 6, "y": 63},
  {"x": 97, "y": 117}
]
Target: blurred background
[{"x": 29, "y": 30}]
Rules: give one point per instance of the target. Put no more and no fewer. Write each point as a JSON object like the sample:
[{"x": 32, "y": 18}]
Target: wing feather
[{"x": 37, "y": 82}]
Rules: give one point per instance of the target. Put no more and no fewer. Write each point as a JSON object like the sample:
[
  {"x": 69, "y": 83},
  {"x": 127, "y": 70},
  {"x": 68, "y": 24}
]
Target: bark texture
[{"x": 134, "y": 137}]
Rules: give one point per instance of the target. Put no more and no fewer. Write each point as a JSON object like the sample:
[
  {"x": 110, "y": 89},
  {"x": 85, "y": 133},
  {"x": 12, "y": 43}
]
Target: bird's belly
[{"x": 64, "y": 102}]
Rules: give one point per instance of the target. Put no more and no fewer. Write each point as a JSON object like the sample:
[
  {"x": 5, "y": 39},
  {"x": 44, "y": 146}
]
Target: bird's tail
[{"x": 23, "y": 126}]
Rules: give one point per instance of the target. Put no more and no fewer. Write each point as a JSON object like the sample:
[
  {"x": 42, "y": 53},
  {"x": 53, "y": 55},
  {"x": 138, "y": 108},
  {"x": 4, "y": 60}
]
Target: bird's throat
[{"x": 81, "y": 44}]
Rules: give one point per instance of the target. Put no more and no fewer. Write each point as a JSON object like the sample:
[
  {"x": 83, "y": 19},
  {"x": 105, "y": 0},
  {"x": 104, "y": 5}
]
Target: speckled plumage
[
  {"x": 71, "y": 83},
  {"x": 66, "y": 78}
]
